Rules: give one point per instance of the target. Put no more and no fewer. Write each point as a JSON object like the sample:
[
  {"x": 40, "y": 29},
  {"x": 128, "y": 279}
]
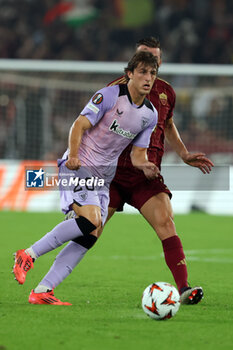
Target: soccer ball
[{"x": 160, "y": 300}]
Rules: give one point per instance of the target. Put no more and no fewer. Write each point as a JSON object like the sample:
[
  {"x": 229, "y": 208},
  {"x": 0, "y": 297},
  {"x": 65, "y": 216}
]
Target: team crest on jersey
[
  {"x": 83, "y": 195},
  {"x": 97, "y": 99},
  {"x": 144, "y": 123},
  {"x": 163, "y": 98}
]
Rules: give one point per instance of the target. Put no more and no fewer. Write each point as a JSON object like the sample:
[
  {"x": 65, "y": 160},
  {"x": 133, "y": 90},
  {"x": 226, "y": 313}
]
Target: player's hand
[
  {"x": 199, "y": 160},
  {"x": 73, "y": 163},
  {"x": 151, "y": 171}
]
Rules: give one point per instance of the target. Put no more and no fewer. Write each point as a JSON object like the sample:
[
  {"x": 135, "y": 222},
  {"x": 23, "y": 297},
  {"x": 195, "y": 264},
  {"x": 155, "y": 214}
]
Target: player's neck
[{"x": 136, "y": 97}]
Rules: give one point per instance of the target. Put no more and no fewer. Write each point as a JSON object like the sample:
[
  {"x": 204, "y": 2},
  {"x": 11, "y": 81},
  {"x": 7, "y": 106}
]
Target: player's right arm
[
  {"x": 98, "y": 105},
  {"x": 140, "y": 161},
  {"x": 80, "y": 125}
]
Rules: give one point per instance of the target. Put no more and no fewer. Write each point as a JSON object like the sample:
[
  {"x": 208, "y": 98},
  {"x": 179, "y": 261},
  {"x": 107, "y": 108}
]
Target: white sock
[
  {"x": 31, "y": 252},
  {"x": 42, "y": 289}
]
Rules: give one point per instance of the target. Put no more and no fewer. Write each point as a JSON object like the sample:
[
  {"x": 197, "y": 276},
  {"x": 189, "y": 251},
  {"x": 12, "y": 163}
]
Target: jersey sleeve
[
  {"x": 143, "y": 138},
  {"x": 172, "y": 102},
  {"x": 102, "y": 101},
  {"x": 120, "y": 80}
]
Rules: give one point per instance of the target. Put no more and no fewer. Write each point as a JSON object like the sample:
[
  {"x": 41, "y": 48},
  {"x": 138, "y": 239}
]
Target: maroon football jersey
[{"x": 163, "y": 98}]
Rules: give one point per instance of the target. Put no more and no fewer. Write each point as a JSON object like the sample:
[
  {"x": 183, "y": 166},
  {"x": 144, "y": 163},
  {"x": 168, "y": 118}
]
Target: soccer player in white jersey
[{"x": 113, "y": 118}]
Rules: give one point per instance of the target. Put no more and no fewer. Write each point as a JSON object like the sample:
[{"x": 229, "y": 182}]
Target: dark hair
[
  {"x": 145, "y": 57},
  {"x": 150, "y": 42}
]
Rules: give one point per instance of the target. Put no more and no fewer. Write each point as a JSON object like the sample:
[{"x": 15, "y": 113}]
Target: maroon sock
[{"x": 175, "y": 259}]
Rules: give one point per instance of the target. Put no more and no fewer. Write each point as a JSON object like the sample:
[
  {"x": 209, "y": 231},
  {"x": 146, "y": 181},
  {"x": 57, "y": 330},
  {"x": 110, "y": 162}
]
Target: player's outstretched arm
[
  {"x": 140, "y": 161},
  {"x": 80, "y": 125},
  {"x": 198, "y": 160}
]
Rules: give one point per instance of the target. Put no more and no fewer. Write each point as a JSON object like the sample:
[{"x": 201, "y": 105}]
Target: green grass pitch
[{"x": 106, "y": 288}]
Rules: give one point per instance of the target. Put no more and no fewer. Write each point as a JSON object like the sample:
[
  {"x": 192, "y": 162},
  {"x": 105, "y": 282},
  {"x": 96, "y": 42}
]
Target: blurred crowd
[
  {"x": 35, "y": 120},
  {"x": 36, "y": 115},
  {"x": 190, "y": 31}
]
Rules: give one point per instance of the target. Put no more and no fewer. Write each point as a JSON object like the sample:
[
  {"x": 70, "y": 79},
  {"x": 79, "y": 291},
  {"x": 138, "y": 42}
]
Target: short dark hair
[
  {"x": 150, "y": 42},
  {"x": 144, "y": 57}
]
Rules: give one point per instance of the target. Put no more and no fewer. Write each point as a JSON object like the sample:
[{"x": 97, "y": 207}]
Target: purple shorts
[{"x": 90, "y": 193}]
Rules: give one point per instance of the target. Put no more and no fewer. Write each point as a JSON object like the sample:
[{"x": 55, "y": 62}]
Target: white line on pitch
[
  {"x": 209, "y": 251},
  {"x": 158, "y": 257}
]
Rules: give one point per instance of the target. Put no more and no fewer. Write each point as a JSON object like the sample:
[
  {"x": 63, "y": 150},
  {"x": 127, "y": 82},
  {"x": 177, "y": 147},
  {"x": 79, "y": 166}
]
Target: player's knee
[
  {"x": 96, "y": 220},
  {"x": 87, "y": 226},
  {"x": 165, "y": 227},
  {"x": 88, "y": 230},
  {"x": 86, "y": 241},
  {"x": 166, "y": 222}
]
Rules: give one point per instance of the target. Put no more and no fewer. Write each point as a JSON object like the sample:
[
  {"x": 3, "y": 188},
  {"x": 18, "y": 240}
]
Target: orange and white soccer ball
[{"x": 160, "y": 300}]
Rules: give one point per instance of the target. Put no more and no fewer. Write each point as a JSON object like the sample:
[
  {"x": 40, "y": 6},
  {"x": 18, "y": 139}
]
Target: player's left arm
[
  {"x": 140, "y": 161},
  {"x": 198, "y": 159}
]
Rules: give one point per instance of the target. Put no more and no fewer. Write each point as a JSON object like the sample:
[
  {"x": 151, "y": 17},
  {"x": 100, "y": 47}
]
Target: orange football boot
[
  {"x": 23, "y": 263},
  {"x": 46, "y": 298}
]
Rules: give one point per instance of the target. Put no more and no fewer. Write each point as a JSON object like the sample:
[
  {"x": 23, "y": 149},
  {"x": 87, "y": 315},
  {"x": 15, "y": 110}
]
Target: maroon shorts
[{"x": 135, "y": 194}]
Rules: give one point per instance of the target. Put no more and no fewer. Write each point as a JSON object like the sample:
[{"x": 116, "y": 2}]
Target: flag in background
[
  {"x": 75, "y": 13},
  {"x": 134, "y": 13}
]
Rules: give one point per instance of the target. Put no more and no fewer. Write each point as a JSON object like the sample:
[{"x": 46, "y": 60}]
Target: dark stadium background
[{"x": 36, "y": 111}]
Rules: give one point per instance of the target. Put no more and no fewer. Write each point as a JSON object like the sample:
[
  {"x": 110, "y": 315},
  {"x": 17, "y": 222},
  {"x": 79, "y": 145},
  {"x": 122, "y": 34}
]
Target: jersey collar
[{"x": 125, "y": 91}]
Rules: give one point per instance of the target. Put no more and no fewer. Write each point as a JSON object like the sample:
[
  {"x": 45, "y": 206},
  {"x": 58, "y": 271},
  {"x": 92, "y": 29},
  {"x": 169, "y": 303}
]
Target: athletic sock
[
  {"x": 175, "y": 259},
  {"x": 42, "y": 289},
  {"x": 31, "y": 252},
  {"x": 66, "y": 261},
  {"x": 63, "y": 232}
]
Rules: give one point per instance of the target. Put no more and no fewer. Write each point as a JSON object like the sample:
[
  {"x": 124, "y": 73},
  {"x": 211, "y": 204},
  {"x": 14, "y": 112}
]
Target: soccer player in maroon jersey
[{"x": 152, "y": 198}]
